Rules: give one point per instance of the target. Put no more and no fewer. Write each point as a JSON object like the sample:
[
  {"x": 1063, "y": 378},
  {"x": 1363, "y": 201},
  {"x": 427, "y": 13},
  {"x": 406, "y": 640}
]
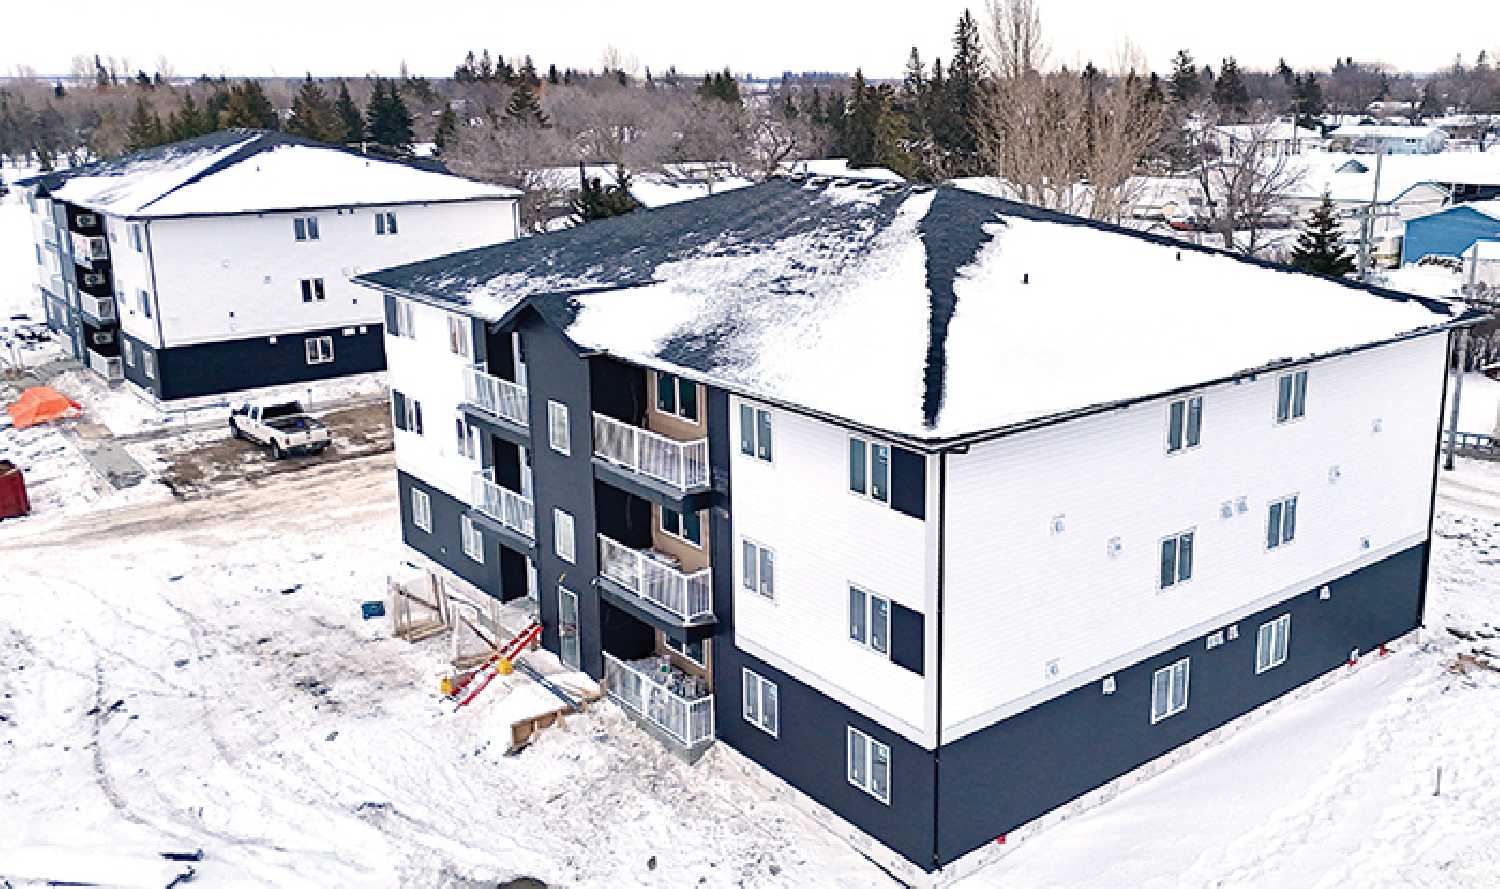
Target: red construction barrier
[{"x": 13, "y": 500}]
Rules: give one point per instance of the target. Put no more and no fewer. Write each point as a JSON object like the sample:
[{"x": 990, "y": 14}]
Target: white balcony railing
[
  {"x": 682, "y": 464},
  {"x": 690, "y": 721},
  {"x": 505, "y": 506},
  {"x": 89, "y": 249},
  {"x": 689, "y": 596},
  {"x": 502, "y": 398},
  {"x": 111, "y": 369},
  {"x": 101, "y": 308}
]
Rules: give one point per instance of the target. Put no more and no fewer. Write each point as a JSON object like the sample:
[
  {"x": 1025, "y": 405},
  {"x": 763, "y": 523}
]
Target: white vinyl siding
[
  {"x": 1291, "y": 396},
  {"x": 421, "y": 510},
  {"x": 1272, "y": 642},
  {"x": 563, "y": 542},
  {"x": 759, "y": 698},
  {"x": 1184, "y": 423},
  {"x": 869, "y": 765},
  {"x": 1169, "y": 690},
  {"x": 1281, "y": 522},
  {"x": 557, "y": 427},
  {"x": 473, "y": 540}
]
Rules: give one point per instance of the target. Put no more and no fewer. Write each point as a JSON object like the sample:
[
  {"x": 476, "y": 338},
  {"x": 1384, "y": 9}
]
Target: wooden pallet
[{"x": 523, "y": 730}]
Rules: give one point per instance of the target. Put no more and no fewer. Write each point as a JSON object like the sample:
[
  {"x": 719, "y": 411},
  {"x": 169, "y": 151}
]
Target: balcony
[
  {"x": 111, "y": 368},
  {"x": 667, "y": 596},
  {"x": 650, "y": 463},
  {"x": 676, "y": 704},
  {"x": 99, "y": 308},
  {"x": 499, "y": 404},
  {"x": 88, "y": 250},
  {"x": 512, "y": 516}
]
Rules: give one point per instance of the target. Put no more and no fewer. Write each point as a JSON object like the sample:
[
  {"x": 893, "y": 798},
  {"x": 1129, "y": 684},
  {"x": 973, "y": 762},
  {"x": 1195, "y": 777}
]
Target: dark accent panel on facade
[
  {"x": 908, "y": 638},
  {"x": 444, "y": 544},
  {"x": 1003, "y": 776},
  {"x": 507, "y": 457},
  {"x": 479, "y": 338},
  {"x": 623, "y": 634},
  {"x": 512, "y": 573},
  {"x": 619, "y": 390},
  {"x": 622, "y": 517},
  {"x": 908, "y": 483},
  {"x": 390, "y": 312},
  {"x": 136, "y": 372},
  {"x": 233, "y": 365},
  {"x": 499, "y": 356}
]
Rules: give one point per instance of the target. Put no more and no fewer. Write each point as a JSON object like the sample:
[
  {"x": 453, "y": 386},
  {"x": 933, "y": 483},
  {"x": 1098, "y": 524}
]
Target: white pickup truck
[{"x": 283, "y": 425}]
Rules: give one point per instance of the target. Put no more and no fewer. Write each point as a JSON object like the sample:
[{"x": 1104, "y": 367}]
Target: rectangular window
[
  {"x": 677, "y": 396},
  {"x": 473, "y": 540},
  {"x": 869, "y": 766},
  {"x": 1176, "y": 559},
  {"x": 687, "y": 526},
  {"x": 402, "y": 321},
  {"x": 693, "y": 651},
  {"x": 421, "y": 510},
  {"x": 305, "y": 228},
  {"x": 562, "y": 535},
  {"x": 135, "y": 237},
  {"x": 463, "y": 437},
  {"x": 870, "y": 620},
  {"x": 408, "y": 412},
  {"x": 557, "y": 427},
  {"x": 758, "y": 695},
  {"x": 145, "y": 299},
  {"x": 459, "y": 334},
  {"x": 870, "y": 469},
  {"x": 758, "y": 569},
  {"x": 1169, "y": 691},
  {"x": 385, "y": 223},
  {"x": 319, "y": 349},
  {"x": 129, "y": 349},
  {"x": 1271, "y": 643},
  {"x": 755, "y": 432},
  {"x": 312, "y": 290},
  {"x": 1281, "y": 522},
  {"x": 1291, "y": 396},
  {"x": 148, "y": 363},
  {"x": 1184, "y": 423}
]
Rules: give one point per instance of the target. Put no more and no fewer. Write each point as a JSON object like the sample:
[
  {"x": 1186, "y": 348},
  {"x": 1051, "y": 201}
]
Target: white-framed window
[
  {"x": 408, "y": 412},
  {"x": 1281, "y": 522},
  {"x": 757, "y": 568},
  {"x": 1176, "y": 559},
  {"x": 758, "y": 696},
  {"x": 870, "y": 620},
  {"x": 755, "y": 432},
  {"x": 562, "y": 535},
  {"x": 135, "y": 237},
  {"x": 870, "y": 469},
  {"x": 1271, "y": 643},
  {"x": 1291, "y": 396},
  {"x": 1184, "y": 423},
  {"x": 145, "y": 300},
  {"x": 319, "y": 349},
  {"x": 557, "y": 427},
  {"x": 467, "y": 446},
  {"x": 421, "y": 510},
  {"x": 1169, "y": 690},
  {"x": 473, "y": 540},
  {"x": 869, "y": 766},
  {"x": 402, "y": 321},
  {"x": 460, "y": 333},
  {"x": 129, "y": 350},
  {"x": 695, "y": 651},
  {"x": 305, "y": 228},
  {"x": 687, "y": 526},
  {"x": 148, "y": 363},
  {"x": 677, "y": 397},
  {"x": 312, "y": 290},
  {"x": 385, "y": 223}
]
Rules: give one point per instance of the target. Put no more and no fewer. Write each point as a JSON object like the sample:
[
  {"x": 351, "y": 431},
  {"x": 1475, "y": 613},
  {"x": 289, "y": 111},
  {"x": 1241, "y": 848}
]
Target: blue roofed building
[{"x": 1450, "y": 231}]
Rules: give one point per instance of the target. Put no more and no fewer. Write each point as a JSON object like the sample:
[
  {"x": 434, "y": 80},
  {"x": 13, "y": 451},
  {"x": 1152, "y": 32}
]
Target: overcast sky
[{"x": 763, "y": 36}]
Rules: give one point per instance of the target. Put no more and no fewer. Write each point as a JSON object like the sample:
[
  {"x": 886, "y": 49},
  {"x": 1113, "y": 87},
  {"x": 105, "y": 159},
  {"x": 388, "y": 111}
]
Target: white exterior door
[
  {"x": 531, "y": 591},
  {"x": 515, "y": 349},
  {"x": 526, "y": 473},
  {"x": 567, "y": 628}
]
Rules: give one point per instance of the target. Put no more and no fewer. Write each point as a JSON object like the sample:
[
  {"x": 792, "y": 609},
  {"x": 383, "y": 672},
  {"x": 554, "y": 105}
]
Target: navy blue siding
[
  {"x": 908, "y": 483},
  {"x": 233, "y": 365},
  {"x": 908, "y": 638},
  {"x": 444, "y": 544},
  {"x": 1003, "y": 776}
]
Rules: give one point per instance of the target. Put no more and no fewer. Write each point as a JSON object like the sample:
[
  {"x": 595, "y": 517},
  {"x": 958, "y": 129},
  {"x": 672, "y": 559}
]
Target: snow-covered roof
[
  {"x": 1382, "y": 131},
  {"x": 838, "y": 166},
  {"x": 1485, "y": 249},
  {"x": 672, "y": 185},
  {"x": 247, "y": 171},
  {"x": 1282, "y": 131},
  {"x": 1352, "y": 176},
  {"x": 931, "y": 314}
]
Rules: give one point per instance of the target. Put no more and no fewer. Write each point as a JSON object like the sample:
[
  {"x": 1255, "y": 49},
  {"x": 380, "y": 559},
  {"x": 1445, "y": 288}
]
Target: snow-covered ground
[{"x": 1479, "y": 405}]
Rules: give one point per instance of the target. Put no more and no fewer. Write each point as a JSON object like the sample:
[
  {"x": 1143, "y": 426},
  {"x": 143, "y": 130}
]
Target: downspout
[
  {"x": 1437, "y": 461},
  {"x": 942, "y": 559}
]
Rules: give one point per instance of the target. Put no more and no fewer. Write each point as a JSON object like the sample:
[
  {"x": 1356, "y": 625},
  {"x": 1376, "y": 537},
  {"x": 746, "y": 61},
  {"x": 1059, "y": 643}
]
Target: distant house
[
  {"x": 1450, "y": 231},
  {"x": 1276, "y": 139},
  {"x": 1387, "y": 139},
  {"x": 1481, "y": 269},
  {"x": 222, "y": 263}
]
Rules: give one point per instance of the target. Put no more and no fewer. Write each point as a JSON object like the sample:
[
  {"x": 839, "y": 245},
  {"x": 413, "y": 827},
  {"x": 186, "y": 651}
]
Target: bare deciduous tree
[
  {"x": 522, "y": 156},
  {"x": 1245, "y": 191}
]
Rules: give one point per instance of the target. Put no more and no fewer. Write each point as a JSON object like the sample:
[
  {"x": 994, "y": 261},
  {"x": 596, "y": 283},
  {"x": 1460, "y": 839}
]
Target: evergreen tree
[
  {"x": 1284, "y": 71},
  {"x": 387, "y": 120},
  {"x": 598, "y": 201},
  {"x": 1185, "y": 85},
  {"x": 189, "y": 120},
  {"x": 915, "y": 81},
  {"x": 144, "y": 129},
  {"x": 213, "y": 109},
  {"x": 721, "y": 86},
  {"x": 1308, "y": 100},
  {"x": 58, "y": 91},
  {"x": 313, "y": 114},
  {"x": 249, "y": 107},
  {"x": 447, "y": 128},
  {"x": 524, "y": 107},
  {"x": 966, "y": 72},
  {"x": 352, "y": 123},
  {"x": 1320, "y": 247},
  {"x": 1154, "y": 94},
  {"x": 552, "y": 77},
  {"x": 1230, "y": 93}
]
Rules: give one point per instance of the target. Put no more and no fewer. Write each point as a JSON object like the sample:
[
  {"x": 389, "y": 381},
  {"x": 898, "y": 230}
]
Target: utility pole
[
  {"x": 1458, "y": 389},
  {"x": 1367, "y": 224}
]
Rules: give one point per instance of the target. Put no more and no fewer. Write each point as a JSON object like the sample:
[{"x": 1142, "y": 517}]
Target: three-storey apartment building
[
  {"x": 223, "y": 263},
  {"x": 944, "y": 509}
]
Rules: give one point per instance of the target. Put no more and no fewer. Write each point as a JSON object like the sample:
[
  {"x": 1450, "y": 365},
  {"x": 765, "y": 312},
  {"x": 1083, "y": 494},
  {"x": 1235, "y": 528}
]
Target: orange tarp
[{"x": 40, "y": 405}]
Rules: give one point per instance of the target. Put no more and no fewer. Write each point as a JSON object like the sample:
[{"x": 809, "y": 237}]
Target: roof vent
[{"x": 920, "y": 188}]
